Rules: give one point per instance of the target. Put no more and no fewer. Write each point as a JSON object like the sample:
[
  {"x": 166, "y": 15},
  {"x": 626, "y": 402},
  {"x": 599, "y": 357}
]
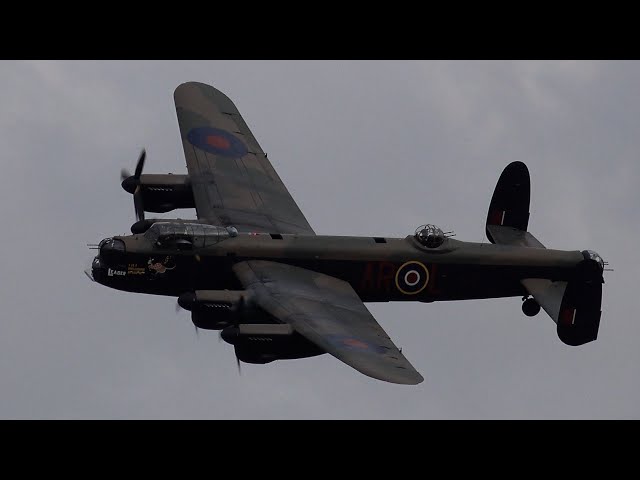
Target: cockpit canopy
[
  {"x": 430, "y": 236},
  {"x": 185, "y": 236}
]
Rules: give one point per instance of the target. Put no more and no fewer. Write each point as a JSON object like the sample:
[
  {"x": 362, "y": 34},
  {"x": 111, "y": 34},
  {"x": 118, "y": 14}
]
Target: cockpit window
[
  {"x": 185, "y": 236},
  {"x": 430, "y": 236}
]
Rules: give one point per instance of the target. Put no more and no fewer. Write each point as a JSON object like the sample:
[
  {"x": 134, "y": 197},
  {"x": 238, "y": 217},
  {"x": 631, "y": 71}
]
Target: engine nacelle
[
  {"x": 162, "y": 193},
  {"x": 264, "y": 343},
  {"x": 215, "y": 321},
  {"x": 217, "y": 309}
]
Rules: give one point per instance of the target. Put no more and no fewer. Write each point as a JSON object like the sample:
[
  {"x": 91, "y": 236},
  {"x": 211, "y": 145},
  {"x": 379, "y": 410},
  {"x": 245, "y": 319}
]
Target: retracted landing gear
[{"x": 530, "y": 307}]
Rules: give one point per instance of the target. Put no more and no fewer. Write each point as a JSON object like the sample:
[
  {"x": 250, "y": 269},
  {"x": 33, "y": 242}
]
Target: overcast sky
[{"x": 365, "y": 148}]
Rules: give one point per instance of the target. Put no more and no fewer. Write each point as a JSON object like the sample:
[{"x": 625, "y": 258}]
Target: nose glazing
[{"x": 111, "y": 250}]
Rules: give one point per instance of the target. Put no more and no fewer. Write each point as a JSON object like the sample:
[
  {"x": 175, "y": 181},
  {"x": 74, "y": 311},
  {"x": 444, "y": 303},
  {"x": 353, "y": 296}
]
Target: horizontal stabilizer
[
  {"x": 548, "y": 294},
  {"x": 512, "y": 236}
]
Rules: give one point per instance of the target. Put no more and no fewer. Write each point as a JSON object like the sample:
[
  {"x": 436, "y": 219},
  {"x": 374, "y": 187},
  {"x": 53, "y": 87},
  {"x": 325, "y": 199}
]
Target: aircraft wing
[
  {"x": 329, "y": 313},
  {"x": 233, "y": 182}
]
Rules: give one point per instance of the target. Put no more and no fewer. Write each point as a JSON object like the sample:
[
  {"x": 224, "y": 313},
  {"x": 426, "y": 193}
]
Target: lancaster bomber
[{"x": 252, "y": 267}]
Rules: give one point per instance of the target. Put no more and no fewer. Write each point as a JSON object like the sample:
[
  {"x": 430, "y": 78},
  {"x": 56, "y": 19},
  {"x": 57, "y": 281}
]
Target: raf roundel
[
  {"x": 412, "y": 278},
  {"x": 217, "y": 141},
  {"x": 355, "y": 344}
]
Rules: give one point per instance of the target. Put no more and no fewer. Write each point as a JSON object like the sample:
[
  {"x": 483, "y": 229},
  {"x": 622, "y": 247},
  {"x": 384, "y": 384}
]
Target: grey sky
[{"x": 365, "y": 148}]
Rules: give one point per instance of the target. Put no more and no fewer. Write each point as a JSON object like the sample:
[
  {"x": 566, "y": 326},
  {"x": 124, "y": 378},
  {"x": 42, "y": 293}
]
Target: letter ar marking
[
  {"x": 367, "y": 278},
  {"x": 431, "y": 287},
  {"x": 386, "y": 274}
]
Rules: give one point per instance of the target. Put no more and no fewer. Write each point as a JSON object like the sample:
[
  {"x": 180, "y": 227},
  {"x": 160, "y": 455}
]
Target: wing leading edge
[
  {"x": 233, "y": 182},
  {"x": 329, "y": 313}
]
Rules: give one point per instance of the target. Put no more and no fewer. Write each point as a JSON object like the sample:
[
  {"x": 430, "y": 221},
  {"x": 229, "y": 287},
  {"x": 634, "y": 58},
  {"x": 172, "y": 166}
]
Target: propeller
[
  {"x": 235, "y": 351},
  {"x": 239, "y": 309},
  {"x": 236, "y": 322},
  {"x": 237, "y": 361},
  {"x": 131, "y": 183},
  {"x": 178, "y": 310},
  {"x": 124, "y": 173}
]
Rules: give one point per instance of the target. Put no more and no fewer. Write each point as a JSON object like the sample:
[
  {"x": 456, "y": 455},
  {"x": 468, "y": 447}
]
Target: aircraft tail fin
[
  {"x": 575, "y": 305},
  {"x": 508, "y": 216}
]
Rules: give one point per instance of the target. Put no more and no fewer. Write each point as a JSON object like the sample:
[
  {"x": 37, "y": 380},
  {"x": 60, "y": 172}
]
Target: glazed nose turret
[{"x": 111, "y": 250}]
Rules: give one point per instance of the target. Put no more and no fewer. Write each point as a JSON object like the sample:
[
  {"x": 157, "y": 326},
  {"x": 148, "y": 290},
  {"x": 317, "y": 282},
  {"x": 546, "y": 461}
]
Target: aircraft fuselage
[{"x": 379, "y": 269}]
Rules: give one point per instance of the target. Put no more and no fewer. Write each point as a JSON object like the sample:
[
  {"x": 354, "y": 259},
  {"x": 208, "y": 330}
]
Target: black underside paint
[{"x": 374, "y": 281}]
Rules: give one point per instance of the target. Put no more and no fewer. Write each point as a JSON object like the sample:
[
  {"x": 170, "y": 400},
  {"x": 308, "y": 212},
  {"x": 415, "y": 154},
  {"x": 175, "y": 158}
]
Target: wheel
[{"x": 530, "y": 307}]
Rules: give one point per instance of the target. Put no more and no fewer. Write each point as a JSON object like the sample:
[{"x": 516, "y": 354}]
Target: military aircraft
[{"x": 252, "y": 267}]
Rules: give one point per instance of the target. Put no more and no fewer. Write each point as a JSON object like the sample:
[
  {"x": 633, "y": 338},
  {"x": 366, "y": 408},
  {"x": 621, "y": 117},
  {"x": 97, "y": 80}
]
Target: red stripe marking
[
  {"x": 218, "y": 142},
  {"x": 566, "y": 316},
  {"x": 354, "y": 342},
  {"x": 495, "y": 218}
]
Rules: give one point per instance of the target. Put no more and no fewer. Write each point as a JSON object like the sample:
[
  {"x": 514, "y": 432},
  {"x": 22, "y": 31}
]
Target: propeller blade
[
  {"x": 235, "y": 351},
  {"x": 140, "y": 164},
  {"x": 131, "y": 183},
  {"x": 137, "y": 203},
  {"x": 178, "y": 310}
]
